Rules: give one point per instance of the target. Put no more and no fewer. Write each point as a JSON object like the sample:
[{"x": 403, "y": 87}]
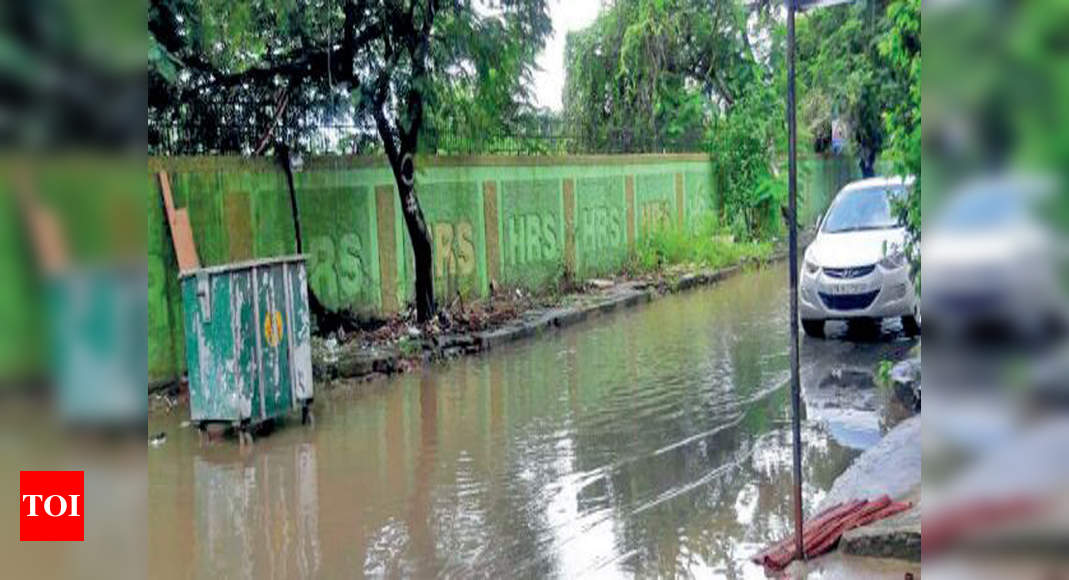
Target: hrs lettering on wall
[
  {"x": 532, "y": 238},
  {"x": 454, "y": 249},
  {"x": 338, "y": 269},
  {"x": 600, "y": 228}
]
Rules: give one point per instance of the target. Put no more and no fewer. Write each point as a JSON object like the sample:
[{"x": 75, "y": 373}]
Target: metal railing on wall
[{"x": 210, "y": 135}]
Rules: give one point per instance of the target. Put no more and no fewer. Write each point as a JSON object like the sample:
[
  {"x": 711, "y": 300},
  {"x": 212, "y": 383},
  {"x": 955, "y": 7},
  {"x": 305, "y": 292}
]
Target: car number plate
[{"x": 848, "y": 289}]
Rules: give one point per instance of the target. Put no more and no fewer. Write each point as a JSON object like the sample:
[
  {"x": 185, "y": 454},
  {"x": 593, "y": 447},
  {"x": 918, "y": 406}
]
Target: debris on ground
[
  {"x": 906, "y": 378},
  {"x": 455, "y": 317},
  {"x": 330, "y": 347}
]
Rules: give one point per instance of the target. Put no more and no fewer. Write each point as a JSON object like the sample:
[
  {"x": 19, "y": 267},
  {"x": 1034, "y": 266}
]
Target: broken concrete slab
[
  {"x": 365, "y": 361},
  {"x": 891, "y": 467},
  {"x": 897, "y": 537}
]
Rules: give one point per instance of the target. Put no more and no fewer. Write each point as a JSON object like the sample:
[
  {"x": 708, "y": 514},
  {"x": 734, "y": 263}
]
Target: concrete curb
[
  {"x": 358, "y": 362},
  {"x": 897, "y": 537}
]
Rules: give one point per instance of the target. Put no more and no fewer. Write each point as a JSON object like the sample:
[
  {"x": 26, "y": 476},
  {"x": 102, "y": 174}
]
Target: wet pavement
[{"x": 650, "y": 442}]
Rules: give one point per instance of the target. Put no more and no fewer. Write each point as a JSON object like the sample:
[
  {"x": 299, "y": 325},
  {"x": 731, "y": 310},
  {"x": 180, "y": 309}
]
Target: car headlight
[
  {"x": 811, "y": 268},
  {"x": 893, "y": 261}
]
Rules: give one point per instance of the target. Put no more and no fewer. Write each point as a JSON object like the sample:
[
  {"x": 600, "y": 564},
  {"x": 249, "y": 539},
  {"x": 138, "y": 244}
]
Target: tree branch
[
  {"x": 418, "y": 48},
  {"x": 304, "y": 64},
  {"x": 280, "y": 108},
  {"x": 387, "y": 135}
]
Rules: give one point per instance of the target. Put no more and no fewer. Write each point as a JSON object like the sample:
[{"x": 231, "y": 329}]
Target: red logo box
[{"x": 51, "y": 506}]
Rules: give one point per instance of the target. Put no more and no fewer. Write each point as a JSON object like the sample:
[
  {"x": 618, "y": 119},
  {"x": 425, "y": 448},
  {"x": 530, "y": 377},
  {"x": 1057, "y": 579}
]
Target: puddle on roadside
[{"x": 654, "y": 442}]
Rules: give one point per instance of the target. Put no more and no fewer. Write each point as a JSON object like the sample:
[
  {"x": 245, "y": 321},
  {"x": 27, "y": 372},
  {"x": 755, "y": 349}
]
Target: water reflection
[
  {"x": 651, "y": 443},
  {"x": 267, "y": 507},
  {"x": 856, "y": 411}
]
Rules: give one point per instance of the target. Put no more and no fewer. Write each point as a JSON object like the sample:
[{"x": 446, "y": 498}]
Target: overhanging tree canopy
[
  {"x": 231, "y": 69},
  {"x": 648, "y": 72}
]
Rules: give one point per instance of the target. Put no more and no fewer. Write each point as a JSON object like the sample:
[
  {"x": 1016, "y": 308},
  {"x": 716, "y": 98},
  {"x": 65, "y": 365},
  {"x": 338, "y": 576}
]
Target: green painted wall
[
  {"x": 600, "y": 225},
  {"x": 338, "y": 221},
  {"x": 517, "y": 221}
]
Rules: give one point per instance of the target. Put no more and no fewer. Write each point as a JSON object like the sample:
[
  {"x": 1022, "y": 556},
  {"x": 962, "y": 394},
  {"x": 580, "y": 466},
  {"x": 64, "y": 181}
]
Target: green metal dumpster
[
  {"x": 248, "y": 341},
  {"x": 97, "y": 316}
]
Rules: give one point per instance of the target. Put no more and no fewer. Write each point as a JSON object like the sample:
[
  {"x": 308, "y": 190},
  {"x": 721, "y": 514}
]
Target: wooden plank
[
  {"x": 44, "y": 228},
  {"x": 48, "y": 238},
  {"x": 185, "y": 249},
  {"x": 168, "y": 199}
]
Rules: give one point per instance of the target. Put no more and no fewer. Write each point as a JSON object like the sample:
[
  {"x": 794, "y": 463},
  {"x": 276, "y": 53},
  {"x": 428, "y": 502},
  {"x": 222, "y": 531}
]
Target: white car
[
  {"x": 993, "y": 262},
  {"x": 856, "y": 267}
]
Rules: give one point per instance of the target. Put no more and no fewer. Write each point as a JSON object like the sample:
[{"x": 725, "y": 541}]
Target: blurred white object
[
  {"x": 989, "y": 261},
  {"x": 856, "y": 267}
]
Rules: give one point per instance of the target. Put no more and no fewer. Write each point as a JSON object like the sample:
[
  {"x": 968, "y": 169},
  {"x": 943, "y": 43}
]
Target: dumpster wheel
[
  {"x": 244, "y": 431},
  {"x": 307, "y": 416},
  {"x": 212, "y": 431}
]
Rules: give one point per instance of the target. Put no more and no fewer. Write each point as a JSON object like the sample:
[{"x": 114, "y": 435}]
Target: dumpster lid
[{"x": 246, "y": 265}]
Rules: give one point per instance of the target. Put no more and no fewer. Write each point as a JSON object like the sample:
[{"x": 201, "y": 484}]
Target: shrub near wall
[{"x": 517, "y": 221}]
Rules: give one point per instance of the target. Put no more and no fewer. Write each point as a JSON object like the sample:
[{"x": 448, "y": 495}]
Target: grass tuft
[{"x": 705, "y": 245}]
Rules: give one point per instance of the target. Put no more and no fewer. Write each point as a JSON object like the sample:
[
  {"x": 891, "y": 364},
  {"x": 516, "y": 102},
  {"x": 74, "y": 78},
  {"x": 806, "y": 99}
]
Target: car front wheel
[
  {"x": 911, "y": 324},
  {"x": 813, "y": 327}
]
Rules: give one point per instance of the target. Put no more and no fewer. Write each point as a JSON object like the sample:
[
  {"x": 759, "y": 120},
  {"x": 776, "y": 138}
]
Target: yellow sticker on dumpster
[{"x": 273, "y": 328}]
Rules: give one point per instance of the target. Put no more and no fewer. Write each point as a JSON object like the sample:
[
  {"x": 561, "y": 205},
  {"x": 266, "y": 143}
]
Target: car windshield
[{"x": 863, "y": 209}]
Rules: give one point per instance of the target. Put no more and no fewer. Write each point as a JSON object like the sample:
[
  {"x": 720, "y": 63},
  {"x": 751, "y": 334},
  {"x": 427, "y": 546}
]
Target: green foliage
[
  {"x": 488, "y": 90},
  {"x": 649, "y": 74},
  {"x": 410, "y": 347},
  {"x": 650, "y": 71},
  {"x": 843, "y": 75},
  {"x": 704, "y": 246},
  {"x": 220, "y": 70},
  {"x": 743, "y": 144},
  {"x": 901, "y": 46},
  {"x": 883, "y": 372}
]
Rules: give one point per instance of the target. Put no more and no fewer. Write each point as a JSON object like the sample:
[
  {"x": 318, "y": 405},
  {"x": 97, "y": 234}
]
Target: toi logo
[{"x": 51, "y": 506}]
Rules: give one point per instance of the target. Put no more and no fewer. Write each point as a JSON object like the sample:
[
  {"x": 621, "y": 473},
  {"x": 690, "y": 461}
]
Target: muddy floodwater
[{"x": 652, "y": 442}]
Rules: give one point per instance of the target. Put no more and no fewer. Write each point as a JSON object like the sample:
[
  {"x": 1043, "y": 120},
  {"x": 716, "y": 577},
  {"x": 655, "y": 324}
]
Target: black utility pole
[
  {"x": 792, "y": 244},
  {"x": 792, "y": 218}
]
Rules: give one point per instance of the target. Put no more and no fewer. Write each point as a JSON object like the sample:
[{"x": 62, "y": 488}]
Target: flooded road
[{"x": 652, "y": 442}]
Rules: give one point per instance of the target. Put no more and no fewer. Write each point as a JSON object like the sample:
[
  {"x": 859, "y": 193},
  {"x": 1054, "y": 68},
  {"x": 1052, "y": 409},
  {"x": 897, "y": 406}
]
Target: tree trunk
[
  {"x": 421, "y": 250},
  {"x": 418, "y": 234},
  {"x": 401, "y": 154}
]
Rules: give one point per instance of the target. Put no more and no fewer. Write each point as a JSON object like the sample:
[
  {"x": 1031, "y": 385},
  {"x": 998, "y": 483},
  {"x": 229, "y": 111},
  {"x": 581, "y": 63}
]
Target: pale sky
[{"x": 567, "y": 15}]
